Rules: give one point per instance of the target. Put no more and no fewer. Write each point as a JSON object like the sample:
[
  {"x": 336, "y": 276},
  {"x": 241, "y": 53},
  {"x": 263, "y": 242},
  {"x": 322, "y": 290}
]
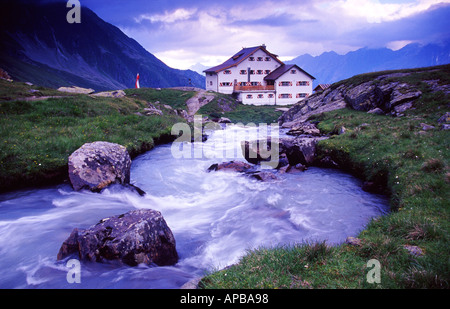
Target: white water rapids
[{"x": 215, "y": 218}]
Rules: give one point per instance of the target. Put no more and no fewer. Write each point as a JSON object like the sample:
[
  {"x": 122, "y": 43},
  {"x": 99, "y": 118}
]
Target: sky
[{"x": 184, "y": 33}]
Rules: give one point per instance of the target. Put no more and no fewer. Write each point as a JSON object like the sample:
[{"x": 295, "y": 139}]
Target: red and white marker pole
[{"x": 137, "y": 82}]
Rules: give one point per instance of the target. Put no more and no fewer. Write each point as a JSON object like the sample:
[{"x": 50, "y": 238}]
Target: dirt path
[{"x": 196, "y": 102}]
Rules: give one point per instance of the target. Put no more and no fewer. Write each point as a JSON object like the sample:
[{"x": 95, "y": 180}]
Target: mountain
[
  {"x": 199, "y": 68},
  {"x": 331, "y": 67},
  {"x": 38, "y": 45}
]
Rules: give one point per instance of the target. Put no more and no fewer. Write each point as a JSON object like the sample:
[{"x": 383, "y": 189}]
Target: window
[
  {"x": 267, "y": 72},
  {"x": 259, "y": 59},
  {"x": 285, "y": 96},
  {"x": 270, "y": 95},
  {"x": 260, "y": 96},
  {"x": 259, "y": 72},
  {"x": 210, "y": 83},
  {"x": 293, "y": 71},
  {"x": 252, "y": 72},
  {"x": 267, "y": 59},
  {"x": 227, "y": 72},
  {"x": 249, "y": 96},
  {"x": 285, "y": 84},
  {"x": 251, "y": 58},
  {"x": 243, "y": 72},
  {"x": 226, "y": 84},
  {"x": 303, "y": 83},
  {"x": 255, "y": 83},
  {"x": 302, "y": 95}
]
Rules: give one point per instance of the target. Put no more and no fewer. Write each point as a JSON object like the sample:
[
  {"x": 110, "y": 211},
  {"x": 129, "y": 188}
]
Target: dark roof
[
  {"x": 283, "y": 69},
  {"x": 239, "y": 57}
]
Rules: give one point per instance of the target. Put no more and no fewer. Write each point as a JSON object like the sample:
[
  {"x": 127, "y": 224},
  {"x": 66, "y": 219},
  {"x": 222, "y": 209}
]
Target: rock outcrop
[
  {"x": 300, "y": 149},
  {"x": 96, "y": 165},
  {"x": 75, "y": 89},
  {"x": 110, "y": 94},
  {"x": 382, "y": 95},
  {"x": 139, "y": 236}
]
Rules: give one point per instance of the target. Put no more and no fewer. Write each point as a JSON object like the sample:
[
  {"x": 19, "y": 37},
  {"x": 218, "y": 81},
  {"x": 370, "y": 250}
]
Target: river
[{"x": 215, "y": 217}]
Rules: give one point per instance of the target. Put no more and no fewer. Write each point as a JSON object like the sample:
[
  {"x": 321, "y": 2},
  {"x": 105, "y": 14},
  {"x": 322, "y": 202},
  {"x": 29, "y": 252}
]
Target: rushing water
[{"x": 215, "y": 217}]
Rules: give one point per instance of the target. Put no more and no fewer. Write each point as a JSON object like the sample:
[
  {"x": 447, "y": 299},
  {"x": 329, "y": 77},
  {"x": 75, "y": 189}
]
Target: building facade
[{"x": 258, "y": 77}]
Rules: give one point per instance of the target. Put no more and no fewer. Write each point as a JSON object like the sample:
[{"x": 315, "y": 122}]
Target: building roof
[
  {"x": 241, "y": 56},
  {"x": 275, "y": 74},
  {"x": 322, "y": 87}
]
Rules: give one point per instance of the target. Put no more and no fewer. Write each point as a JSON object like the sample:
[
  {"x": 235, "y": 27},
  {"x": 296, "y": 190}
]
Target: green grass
[
  {"x": 37, "y": 137},
  {"x": 412, "y": 166},
  {"x": 172, "y": 97},
  {"x": 225, "y": 106}
]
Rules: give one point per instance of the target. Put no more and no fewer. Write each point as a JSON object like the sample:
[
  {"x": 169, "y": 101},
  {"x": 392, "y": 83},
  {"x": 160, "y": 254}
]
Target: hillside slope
[{"x": 37, "y": 44}]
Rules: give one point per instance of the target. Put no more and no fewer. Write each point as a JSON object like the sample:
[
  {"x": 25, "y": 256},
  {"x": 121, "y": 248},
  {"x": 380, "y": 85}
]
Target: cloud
[
  {"x": 183, "y": 33},
  {"x": 168, "y": 17},
  {"x": 429, "y": 26}
]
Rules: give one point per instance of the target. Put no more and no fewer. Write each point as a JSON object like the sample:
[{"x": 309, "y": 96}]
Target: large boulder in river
[
  {"x": 139, "y": 236},
  {"x": 299, "y": 149},
  {"x": 96, "y": 165}
]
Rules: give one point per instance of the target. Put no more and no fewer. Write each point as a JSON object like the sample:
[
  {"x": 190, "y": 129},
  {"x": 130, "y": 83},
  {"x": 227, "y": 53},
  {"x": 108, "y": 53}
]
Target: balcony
[{"x": 254, "y": 88}]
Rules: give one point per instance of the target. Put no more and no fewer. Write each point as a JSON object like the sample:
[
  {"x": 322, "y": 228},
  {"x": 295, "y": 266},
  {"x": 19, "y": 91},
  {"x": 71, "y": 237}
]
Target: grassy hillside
[
  {"x": 225, "y": 106},
  {"x": 37, "y": 137},
  {"x": 40, "y": 127},
  {"x": 412, "y": 165}
]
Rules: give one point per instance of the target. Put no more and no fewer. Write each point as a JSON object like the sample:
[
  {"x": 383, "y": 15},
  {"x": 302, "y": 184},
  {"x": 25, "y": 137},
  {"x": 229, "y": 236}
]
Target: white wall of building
[
  {"x": 258, "y": 98},
  {"x": 292, "y": 87}
]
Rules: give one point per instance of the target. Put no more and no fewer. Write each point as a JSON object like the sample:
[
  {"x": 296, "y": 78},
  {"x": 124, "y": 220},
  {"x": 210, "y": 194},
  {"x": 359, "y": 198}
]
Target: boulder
[
  {"x": 110, "y": 94},
  {"x": 376, "y": 111},
  {"x": 96, "y": 165},
  {"x": 304, "y": 128},
  {"x": 152, "y": 111},
  {"x": 234, "y": 166},
  {"x": 426, "y": 127},
  {"x": 362, "y": 97},
  {"x": 260, "y": 150},
  {"x": 353, "y": 241},
  {"x": 224, "y": 120},
  {"x": 264, "y": 176},
  {"x": 139, "y": 236},
  {"x": 300, "y": 149},
  {"x": 75, "y": 89}
]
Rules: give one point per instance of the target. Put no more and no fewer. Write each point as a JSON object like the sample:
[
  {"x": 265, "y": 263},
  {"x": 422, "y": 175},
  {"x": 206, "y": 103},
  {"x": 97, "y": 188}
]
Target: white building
[{"x": 258, "y": 77}]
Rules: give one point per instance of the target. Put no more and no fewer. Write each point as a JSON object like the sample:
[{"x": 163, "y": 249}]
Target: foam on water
[{"x": 215, "y": 217}]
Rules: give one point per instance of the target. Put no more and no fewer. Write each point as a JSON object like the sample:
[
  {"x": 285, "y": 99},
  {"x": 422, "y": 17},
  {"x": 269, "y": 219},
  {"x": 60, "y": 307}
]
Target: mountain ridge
[
  {"x": 39, "y": 45},
  {"x": 330, "y": 67}
]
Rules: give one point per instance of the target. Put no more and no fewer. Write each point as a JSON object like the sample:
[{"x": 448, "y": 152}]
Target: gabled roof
[
  {"x": 322, "y": 87},
  {"x": 241, "y": 56},
  {"x": 283, "y": 69}
]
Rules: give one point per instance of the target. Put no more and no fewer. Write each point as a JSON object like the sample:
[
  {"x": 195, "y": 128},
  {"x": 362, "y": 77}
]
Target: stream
[{"x": 216, "y": 217}]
